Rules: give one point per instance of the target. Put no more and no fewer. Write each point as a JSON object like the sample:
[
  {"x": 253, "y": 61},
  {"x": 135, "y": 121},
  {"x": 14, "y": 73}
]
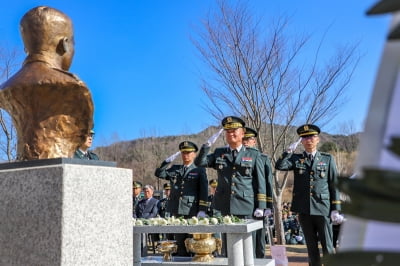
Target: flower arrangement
[{"x": 229, "y": 219}]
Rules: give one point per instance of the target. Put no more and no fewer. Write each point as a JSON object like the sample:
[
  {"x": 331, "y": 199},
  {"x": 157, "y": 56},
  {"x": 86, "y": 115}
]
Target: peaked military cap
[
  {"x": 213, "y": 183},
  {"x": 137, "y": 184},
  {"x": 232, "y": 122},
  {"x": 91, "y": 132},
  {"x": 167, "y": 186},
  {"x": 250, "y": 133},
  {"x": 187, "y": 146},
  {"x": 308, "y": 130}
]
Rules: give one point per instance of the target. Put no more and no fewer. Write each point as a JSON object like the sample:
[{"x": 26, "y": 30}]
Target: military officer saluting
[
  {"x": 189, "y": 187},
  {"x": 241, "y": 183},
  {"x": 315, "y": 195}
]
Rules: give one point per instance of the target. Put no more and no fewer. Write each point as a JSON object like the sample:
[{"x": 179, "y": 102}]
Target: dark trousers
[
  {"x": 180, "y": 241},
  {"x": 259, "y": 242},
  {"x": 316, "y": 227},
  {"x": 336, "y": 231}
]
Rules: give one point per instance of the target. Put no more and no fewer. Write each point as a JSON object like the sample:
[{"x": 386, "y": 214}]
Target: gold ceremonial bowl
[
  {"x": 203, "y": 245},
  {"x": 167, "y": 248}
]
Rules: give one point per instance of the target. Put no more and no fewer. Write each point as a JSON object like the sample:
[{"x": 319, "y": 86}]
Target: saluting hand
[
  {"x": 214, "y": 137},
  {"x": 292, "y": 147},
  {"x": 172, "y": 157}
]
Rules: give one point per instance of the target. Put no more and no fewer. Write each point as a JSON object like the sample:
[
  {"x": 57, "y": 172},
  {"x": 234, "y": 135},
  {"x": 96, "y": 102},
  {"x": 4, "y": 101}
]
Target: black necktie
[
  {"x": 234, "y": 154},
  {"x": 311, "y": 157}
]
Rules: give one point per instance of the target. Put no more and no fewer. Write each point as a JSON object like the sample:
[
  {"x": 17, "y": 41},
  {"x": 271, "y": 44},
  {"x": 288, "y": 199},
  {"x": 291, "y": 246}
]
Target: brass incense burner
[
  {"x": 167, "y": 248},
  {"x": 203, "y": 245}
]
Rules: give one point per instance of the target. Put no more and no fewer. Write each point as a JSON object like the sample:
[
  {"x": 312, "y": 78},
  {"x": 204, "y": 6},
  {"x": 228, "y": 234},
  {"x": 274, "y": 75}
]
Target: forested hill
[{"x": 144, "y": 155}]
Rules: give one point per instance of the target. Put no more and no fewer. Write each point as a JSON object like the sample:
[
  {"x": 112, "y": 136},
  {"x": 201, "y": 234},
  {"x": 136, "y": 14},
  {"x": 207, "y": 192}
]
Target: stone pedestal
[{"x": 65, "y": 212}]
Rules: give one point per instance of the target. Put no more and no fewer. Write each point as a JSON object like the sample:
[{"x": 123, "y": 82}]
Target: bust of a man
[{"x": 51, "y": 108}]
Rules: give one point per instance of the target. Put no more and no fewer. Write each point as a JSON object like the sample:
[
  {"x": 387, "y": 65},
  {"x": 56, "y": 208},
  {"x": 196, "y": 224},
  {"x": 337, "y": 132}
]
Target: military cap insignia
[{"x": 229, "y": 119}]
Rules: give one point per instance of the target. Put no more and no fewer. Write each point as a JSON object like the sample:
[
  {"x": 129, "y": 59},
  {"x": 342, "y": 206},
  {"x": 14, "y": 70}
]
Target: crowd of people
[{"x": 243, "y": 187}]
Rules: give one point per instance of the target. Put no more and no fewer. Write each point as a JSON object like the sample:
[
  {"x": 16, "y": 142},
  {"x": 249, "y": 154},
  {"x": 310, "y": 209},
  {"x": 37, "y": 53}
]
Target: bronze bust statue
[{"x": 51, "y": 108}]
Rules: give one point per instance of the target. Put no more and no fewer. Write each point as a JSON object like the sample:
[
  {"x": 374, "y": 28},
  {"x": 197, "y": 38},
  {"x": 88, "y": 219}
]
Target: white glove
[
  {"x": 267, "y": 212},
  {"x": 214, "y": 137},
  {"x": 339, "y": 220},
  {"x": 292, "y": 147},
  {"x": 335, "y": 216},
  {"x": 172, "y": 157},
  {"x": 258, "y": 212},
  {"x": 299, "y": 238},
  {"x": 201, "y": 214}
]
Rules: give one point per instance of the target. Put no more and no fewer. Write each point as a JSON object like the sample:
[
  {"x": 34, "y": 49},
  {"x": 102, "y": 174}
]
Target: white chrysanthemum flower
[
  {"x": 204, "y": 221},
  {"x": 193, "y": 220},
  {"x": 184, "y": 222},
  {"x": 153, "y": 221},
  {"x": 227, "y": 220},
  {"x": 214, "y": 220},
  {"x": 139, "y": 222},
  {"x": 176, "y": 222},
  {"x": 162, "y": 222}
]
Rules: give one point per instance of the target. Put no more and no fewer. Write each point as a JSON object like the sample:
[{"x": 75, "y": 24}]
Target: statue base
[{"x": 65, "y": 212}]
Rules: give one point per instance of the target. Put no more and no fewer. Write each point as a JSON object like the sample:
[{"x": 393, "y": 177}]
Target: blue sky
[{"x": 142, "y": 69}]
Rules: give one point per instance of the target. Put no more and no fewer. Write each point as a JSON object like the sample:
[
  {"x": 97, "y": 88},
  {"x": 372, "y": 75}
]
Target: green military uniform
[
  {"x": 163, "y": 203},
  {"x": 315, "y": 194},
  {"x": 136, "y": 184},
  {"x": 241, "y": 175},
  {"x": 88, "y": 155},
  {"x": 85, "y": 156},
  {"x": 241, "y": 183},
  {"x": 314, "y": 190},
  {"x": 189, "y": 188},
  {"x": 259, "y": 240},
  {"x": 268, "y": 180},
  {"x": 210, "y": 208}
]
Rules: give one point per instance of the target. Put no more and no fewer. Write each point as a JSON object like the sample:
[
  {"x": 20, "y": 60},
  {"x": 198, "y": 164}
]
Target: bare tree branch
[{"x": 266, "y": 77}]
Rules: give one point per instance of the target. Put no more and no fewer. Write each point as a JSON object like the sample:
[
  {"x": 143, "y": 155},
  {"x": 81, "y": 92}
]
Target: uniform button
[
  {"x": 233, "y": 184},
  {"x": 180, "y": 198},
  {"x": 311, "y": 186},
  {"x": 233, "y": 192},
  {"x": 233, "y": 175},
  {"x": 310, "y": 194},
  {"x": 312, "y": 172},
  {"x": 312, "y": 179},
  {"x": 183, "y": 182},
  {"x": 234, "y": 168},
  {"x": 182, "y": 193}
]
